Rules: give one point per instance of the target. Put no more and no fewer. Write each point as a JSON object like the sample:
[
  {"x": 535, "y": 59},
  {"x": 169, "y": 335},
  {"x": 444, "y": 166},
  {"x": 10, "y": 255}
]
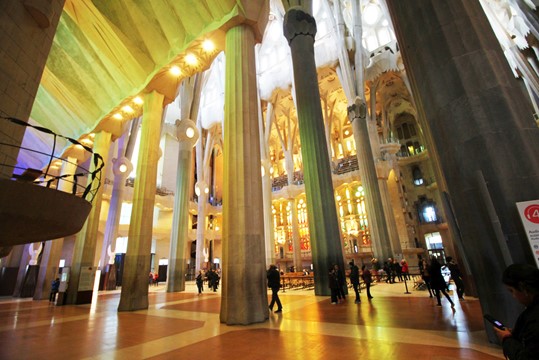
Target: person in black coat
[
  {"x": 522, "y": 342},
  {"x": 333, "y": 282},
  {"x": 199, "y": 282},
  {"x": 437, "y": 281},
  {"x": 456, "y": 275},
  {"x": 274, "y": 283},
  {"x": 354, "y": 279}
]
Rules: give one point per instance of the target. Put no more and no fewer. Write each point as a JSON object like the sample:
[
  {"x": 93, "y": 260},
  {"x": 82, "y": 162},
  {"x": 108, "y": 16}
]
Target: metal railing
[{"x": 45, "y": 177}]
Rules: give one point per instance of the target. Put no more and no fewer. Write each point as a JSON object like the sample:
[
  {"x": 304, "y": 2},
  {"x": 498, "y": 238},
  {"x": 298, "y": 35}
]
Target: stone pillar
[
  {"x": 134, "y": 294},
  {"x": 187, "y": 134},
  {"x": 268, "y": 216},
  {"x": 380, "y": 242},
  {"x": 293, "y": 203},
  {"x": 300, "y": 30},
  {"x": 479, "y": 124},
  {"x": 244, "y": 289},
  {"x": 85, "y": 244},
  {"x": 48, "y": 268},
  {"x": 9, "y": 270},
  {"x": 121, "y": 168}
]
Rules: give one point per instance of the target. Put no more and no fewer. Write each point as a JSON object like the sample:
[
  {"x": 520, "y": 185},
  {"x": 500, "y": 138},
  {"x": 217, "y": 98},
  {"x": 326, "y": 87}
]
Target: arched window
[{"x": 417, "y": 176}]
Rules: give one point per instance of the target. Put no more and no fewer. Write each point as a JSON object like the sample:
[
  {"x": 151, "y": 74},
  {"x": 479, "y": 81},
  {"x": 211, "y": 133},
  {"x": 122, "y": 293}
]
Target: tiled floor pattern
[{"x": 184, "y": 325}]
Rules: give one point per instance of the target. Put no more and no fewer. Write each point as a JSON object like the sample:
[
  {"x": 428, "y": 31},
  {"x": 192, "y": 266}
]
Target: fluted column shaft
[
  {"x": 244, "y": 289},
  {"x": 480, "y": 129},
  {"x": 180, "y": 224},
  {"x": 300, "y": 30},
  {"x": 134, "y": 294},
  {"x": 375, "y": 212},
  {"x": 86, "y": 241}
]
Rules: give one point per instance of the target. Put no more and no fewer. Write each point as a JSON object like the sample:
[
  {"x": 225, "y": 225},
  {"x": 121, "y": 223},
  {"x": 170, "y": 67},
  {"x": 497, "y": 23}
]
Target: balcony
[{"x": 32, "y": 207}]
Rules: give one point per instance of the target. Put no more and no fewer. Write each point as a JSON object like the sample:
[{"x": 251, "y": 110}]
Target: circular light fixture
[
  {"x": 208, "y": 45},
  {"x": 122, "y": 168},
  {"x": 190, "y": 132},
  {"x": 138, "y": 100},
  {"x": 191, "y": 59},
  {"x": 176, "y": 71}
]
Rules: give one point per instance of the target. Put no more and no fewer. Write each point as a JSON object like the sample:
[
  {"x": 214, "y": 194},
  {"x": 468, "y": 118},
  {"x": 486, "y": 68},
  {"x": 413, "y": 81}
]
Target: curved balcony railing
[{"x": 46, "y": 177}]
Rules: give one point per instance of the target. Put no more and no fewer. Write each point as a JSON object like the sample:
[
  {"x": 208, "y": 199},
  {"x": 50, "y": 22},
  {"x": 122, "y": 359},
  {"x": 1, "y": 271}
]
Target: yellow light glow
[
  {"x": 190, "y": 132},
  {"x": 138, "y": 100},
  {"x": 206, "y": 190},
  {"x": 208, "y": 45},
  {"x": 123, "y": 168},
  {"x": 92, "y": 135},
  {"x": 346, "y": 132},
  {"x": 217, "y": 228},
  {"x": 176, "y": 71},
  {"x": 128, "y": 109},
  {"x": 118, "y": 116},
  {"x": 191, "y": 59},
  {"x": 338, "y": 198}
]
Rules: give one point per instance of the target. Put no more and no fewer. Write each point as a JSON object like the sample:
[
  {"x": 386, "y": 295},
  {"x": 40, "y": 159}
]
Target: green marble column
[
  {"x": 187, "y": 136},
  {"x": 86, "y": 241},
  {"x": 300, "y": 29},
  {"x": 479, "y": 124},
  {"x": 244, "y": 289},
  {"x": 138, "y": 257}
]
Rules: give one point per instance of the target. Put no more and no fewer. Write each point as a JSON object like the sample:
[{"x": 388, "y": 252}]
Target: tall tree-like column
[
  {"x": 85, "y": 245},
  {"x": 479, "y": 126},
  {"x": 244, "y": 299},
  {"x": 187, "y": 136},
  {"x": 300, "y": 30},
  {"x": 138, "y": 257}
]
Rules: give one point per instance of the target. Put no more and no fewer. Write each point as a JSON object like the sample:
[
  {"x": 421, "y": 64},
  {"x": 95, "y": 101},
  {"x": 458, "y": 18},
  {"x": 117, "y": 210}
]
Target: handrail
[{"x": 89, "y": 192}]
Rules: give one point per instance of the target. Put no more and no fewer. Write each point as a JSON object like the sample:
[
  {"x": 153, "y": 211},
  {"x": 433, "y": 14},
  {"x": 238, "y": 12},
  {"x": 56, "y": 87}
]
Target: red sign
[{"x": 532, "y": 213}]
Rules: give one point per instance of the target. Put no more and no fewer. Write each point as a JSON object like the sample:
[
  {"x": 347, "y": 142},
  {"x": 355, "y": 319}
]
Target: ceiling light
[
  {"x": 138, "y": 100},
  {"x": 191, "y": 59},
  {"x": 208, "y": 45},
  {"x": 176, "y": 71},
  {"x": 118, "y": 116},
  {"x": 128, "y": 109},
  {"x": 123, "y": 168}
]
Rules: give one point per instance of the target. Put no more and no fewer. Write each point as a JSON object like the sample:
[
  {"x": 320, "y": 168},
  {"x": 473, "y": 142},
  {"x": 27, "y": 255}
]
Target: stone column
[
  {"x": 244, "y": 289},
  {"x": 380, "y": 242},
  {"x": 479, "y": 124},
  {"x": 187, "y": 134},
  {"x": 48, "y": 268},
  {"x": 134, "y": 294},
  {"x": 9, "y": 270},
  {"x": 85, "y": 244},
  {"x": 300, "y": 30},
  {"x": 293, "y": 203},
  {"x": 268, "y": 216}
]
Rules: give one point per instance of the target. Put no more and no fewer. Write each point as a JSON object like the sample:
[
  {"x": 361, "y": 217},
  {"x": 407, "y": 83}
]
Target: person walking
[
  {"x": 341, "y": 281},
  {"x": 425, "y": 275},
  {"x": 456, "y": 275},
  {"x": 367, "y": 279},
  {"x": 55, "y": 286},
  {"x": 199, "y": 281},
  {"x": 333, "y": 283},
  {"x": 274, "y": 283},
  {"x": 437, "y": 281},
  {"x": 354, "y": 279}
]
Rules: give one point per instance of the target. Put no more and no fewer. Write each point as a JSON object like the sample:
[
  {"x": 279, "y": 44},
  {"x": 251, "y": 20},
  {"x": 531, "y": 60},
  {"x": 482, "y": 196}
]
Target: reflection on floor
[{"x": 184, "y": 325}]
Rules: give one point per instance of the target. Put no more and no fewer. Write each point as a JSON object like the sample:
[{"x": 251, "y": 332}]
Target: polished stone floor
[{"x": 393, "y": 325}]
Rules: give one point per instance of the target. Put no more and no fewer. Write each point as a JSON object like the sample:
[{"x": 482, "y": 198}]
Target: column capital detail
[
  {"x": 298, "y": 22},
  {"x": 357, "y": 110}
]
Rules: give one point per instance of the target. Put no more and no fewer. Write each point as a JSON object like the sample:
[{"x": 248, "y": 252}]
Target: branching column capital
[{"x": 298, "y": 22}]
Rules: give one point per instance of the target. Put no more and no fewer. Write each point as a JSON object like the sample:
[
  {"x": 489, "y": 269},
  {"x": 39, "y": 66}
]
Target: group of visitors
[
  {"x": 211, "y": 276},
  {"x": 153, "y": 278},
  {"x": 432, "y": 277},
  {"x": 394, "y": 269}
]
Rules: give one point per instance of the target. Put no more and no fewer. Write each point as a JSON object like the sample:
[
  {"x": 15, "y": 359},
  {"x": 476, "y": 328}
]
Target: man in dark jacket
[
  {"x": 456, "y": 275},
  {"x": 274, "y": 283},
  {"x": 354, "y": 279}
]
